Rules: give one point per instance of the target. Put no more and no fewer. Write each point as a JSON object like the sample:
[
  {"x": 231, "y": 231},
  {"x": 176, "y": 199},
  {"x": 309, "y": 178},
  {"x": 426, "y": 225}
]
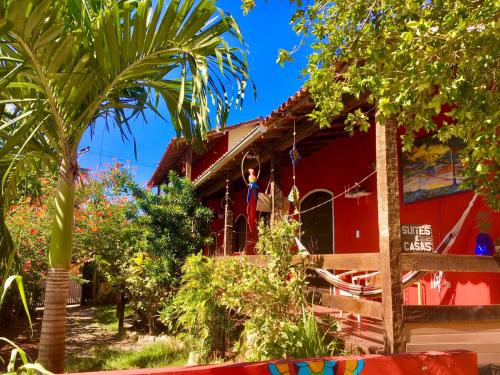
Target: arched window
[
  {"x": 240, "y": 234},
  {"x": 317, "y": 224}
]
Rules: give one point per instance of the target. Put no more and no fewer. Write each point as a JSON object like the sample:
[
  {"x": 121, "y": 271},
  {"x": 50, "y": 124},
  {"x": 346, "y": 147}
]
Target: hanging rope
[
  {"x": 226, "y": 221},
  {"x": 340, "y": 194},
  {"x": 294, "y": 195},
  {"x": 254, "y": 156}
]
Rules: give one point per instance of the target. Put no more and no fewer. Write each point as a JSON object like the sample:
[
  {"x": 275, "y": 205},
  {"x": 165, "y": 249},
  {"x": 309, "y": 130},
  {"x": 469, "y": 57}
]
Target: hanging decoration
[
  {"x": 264, "y": 203},
  {"x": 294, "y": 198},
  {"x": 294, "y": 195},
  {"x": 294, "y": 155},
  {"x": 437, "y": 280},
  {"x": 484, "y": 245},
  {"x": 356, "y": 192},
  {"x": 253, "y": 190}
]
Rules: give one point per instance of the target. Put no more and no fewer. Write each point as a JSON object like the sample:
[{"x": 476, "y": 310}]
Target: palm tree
[{"x": 64, "y": 64}]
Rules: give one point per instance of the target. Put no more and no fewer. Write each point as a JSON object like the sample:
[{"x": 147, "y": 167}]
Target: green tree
[
  {"x": 103, "y": 233},
  {"x": 64, "y": 64},
  {"x": 414, "y": 59},
  {"x": 173, "y": 223},
  {"x": 169, "y": 227}
]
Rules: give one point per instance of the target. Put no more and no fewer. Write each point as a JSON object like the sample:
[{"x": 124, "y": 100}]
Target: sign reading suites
[{"x": 416, "y": 238}]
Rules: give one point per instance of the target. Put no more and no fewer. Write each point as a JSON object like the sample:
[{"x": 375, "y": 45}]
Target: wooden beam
[
  {"x": 479, "y": 313},
  {"x": 389, "y": 235},
  {"x": 188, "y": 161},
  {"x": 281, "y": 145},
  {"x": 305, "y": 129},
  {"x": 449, "y": 263},
  {"x": 276, "y": 193},
  {"x": 358, "y": 262},
  {"x": 371, "y": 309}
]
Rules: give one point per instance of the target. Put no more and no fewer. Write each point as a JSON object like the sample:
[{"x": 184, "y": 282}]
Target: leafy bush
[
  {"x": 171, "y": 226},
  {"x": 174, "y": 223},
  {"x": 311, "y": 341},
  {"x": 271, "y": 297},
  {"x": 196, "y": 308},
  {"x": 261, "y": 310},
  {"x": 148, "y": 286}
]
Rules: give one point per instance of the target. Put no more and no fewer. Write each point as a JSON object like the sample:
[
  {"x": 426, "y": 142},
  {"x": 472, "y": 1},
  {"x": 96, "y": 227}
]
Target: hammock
[{"x": 408, "y": 278}]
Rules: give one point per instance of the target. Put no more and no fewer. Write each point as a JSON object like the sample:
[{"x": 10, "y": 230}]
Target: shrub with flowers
[
  {"x": 137, "y": 240},
  {"x": 100, "y": 224},
  {"x": 29, "y": 220},
  {"x": 104, "y": 233}
]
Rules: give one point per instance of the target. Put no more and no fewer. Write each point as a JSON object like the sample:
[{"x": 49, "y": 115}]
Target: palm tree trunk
[{"x": 53, "y": 335}]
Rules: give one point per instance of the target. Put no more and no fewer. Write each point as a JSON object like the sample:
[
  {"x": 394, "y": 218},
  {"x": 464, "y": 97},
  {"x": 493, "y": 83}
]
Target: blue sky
[{"x": 265, "y": 29}]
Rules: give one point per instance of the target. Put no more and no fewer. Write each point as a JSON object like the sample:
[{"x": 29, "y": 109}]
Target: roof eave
[{"x": 221, "y": 162}]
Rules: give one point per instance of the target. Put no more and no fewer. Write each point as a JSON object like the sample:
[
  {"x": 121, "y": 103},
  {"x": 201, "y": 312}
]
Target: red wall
[
  {"x": 335, "y": 167},
  {"x": 215, "y": 149},
  {"x": 347, "y": 160},
  {"x": 439, "y": 363},
  {"x": 217, "y": 225}
]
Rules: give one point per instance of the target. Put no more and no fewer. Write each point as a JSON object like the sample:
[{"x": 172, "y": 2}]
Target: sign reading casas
[{"x": 416, "y": 238}]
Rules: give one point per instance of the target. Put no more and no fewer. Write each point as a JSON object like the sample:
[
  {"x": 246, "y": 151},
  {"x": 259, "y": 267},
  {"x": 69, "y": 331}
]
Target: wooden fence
[
  {"x": 74, "y": 294},
  {"x": 409, "y": 262},
  {"x": 448, "y": 322}
]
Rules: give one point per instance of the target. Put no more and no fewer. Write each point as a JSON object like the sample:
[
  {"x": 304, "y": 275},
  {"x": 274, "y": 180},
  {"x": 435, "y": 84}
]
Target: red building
[{"x": 338, "y": 205}]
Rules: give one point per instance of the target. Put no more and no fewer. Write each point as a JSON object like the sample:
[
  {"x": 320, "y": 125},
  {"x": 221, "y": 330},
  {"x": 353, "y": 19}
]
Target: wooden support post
[
  {"x": 188, "y": 160},
  {"x": 389, "y": 235},
  {"x": 276, "y": 194},
  {"x": 228, "y": 221}
]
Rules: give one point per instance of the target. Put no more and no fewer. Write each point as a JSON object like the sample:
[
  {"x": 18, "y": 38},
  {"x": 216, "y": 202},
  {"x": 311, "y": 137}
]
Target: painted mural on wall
[
  {"x": 431, "y": 169},
  {"x": 321, "y": 367}
]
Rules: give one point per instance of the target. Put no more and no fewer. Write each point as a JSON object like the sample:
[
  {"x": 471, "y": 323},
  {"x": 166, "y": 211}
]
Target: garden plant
[{"x": 231, "y": 308}]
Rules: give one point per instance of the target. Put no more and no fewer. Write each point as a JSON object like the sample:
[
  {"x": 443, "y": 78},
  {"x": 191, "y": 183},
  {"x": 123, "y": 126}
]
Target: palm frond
[{"x": 65, "y": 64}]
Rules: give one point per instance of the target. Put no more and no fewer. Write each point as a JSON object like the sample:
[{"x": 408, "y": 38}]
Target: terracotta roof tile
[{"x": 283, "y": 108}]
